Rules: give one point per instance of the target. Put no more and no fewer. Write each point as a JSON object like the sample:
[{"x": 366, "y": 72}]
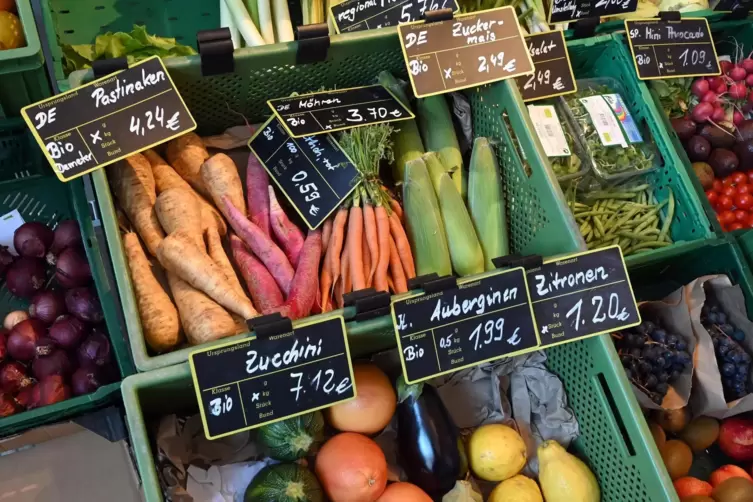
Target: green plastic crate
[
  {"x": 614, "y": 433},
  {"x": 22, "y": 75},
  {"x": 605, "y": 56},
  {"x": 29, "y": 185}
]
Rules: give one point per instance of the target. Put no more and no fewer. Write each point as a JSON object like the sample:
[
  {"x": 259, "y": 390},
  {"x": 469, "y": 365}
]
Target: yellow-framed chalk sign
[{"x": 108, "y": 119}]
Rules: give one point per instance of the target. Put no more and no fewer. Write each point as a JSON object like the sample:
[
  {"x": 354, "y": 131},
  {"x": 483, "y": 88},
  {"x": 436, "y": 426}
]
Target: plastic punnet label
[{"x": 549, "y": 130}]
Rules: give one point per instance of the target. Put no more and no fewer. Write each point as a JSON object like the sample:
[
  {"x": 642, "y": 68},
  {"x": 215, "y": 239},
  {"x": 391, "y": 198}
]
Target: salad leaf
[{"x": 135, "y": 46}]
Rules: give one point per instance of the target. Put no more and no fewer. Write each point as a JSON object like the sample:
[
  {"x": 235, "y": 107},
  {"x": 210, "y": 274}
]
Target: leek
[
  {"x": 244, "y": 23},
  {"x": 226, "y": 21}
]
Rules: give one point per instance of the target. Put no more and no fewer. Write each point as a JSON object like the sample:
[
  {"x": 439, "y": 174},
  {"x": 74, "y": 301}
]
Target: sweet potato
[
  {"x": 262, "y": 286},
  {"x": 203, "y": 320},
  {"x": 305, "y": 284},
  {"x": 220, "y": 176},
  {"x": 159, "y": 318},
  {"x": 186, "y": 154},
  {"x": 177, "y": 209},
  {"x": 257, "y": 196},
  {"x": 133, "y": 184}
]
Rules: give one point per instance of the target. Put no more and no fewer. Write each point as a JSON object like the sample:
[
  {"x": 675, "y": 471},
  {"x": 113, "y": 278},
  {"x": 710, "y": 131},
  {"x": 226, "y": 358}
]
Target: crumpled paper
[
  {"x": 225, "y": 483},
  {"x": 709, "y": 399}
]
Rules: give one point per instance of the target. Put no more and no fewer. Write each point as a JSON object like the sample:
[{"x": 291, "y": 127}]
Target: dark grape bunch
[
  {"x": 733, "y": 361},
  {"x": 653, "y": 358}
]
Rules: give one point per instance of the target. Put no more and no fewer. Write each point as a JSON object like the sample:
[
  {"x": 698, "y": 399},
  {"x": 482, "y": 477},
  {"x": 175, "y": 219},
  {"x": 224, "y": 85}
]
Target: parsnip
[
  {"x": 177, "y": 209},
  {"x": 220, "y": 176},
  {"x": 186, "y": 154},
  {"x": 217, "y": 253},
  {"x": 203, "y": 320}
]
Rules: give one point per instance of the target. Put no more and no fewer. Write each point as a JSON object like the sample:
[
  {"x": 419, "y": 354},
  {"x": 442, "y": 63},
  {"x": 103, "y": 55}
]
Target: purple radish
[
  {"x": 702, "y": 112},
  {"x": 700, "y": 87}
]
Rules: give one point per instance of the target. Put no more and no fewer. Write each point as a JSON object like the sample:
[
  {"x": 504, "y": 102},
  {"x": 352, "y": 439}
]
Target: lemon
[
  {"x": 516, "y": 489},
  {"x": 496, "y": 452},
  {"x": 564, "y": 477}
]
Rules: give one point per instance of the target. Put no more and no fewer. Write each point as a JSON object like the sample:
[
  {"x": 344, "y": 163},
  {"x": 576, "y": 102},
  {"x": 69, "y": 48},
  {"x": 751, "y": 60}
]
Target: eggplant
[{"x": 429, "y": 444}]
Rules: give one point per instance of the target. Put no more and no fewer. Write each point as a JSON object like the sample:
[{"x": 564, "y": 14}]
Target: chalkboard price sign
[
  {"x": 563, "y": 11},
  {"x": 582, "y": 295},
  {"x": 358, "y": 15},
  {"x": 313, "y": 172},
  {"x": 245, "y": 384},
  {"x": 553, "y": 75},
  {"x": 671, "y": 49},
  {"x": 330, "y": 111},
  {"x": 467, "y": 51},
  {"x": 731, "y": 5},
  {"x": 481, "y": 320},
  {"x": 108, "y": 119}
]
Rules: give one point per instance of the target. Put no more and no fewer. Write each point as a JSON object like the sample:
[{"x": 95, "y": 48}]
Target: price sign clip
[
  {"x": 585, "y": 28},
  {"x": 103, "y": 67},
  {"x": 528, "y": 262},
  {"x": 313, "y": 43},
  {"x": 432, "y": 283},
  {"x": 738, "y": 13},
  {"x": 216, "y": 51},
  {"x": 433, "y": 16},
  {"x": 369, "y": 303},
  {"x": 269, "y": 325},
  {"x": 670, "y": 15}
]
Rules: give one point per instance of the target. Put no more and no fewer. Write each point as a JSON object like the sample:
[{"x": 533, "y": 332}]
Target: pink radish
[
  {"x": 720, "y": 89},
  {"x": 306, "y": 281},
  {"x": 710, "y": 97},
  {"x": 715, "y": 82},
  {"x": 702, "y": 112},
  {"x": 747, "y": 64},
  {"x": 737, "y": 117},
  {"x": 257, "y": 182},
  {"x": 738, "y": 74},
  {"x": 286, "y": 232},
  {"x": 700, "y": 87},
  {"x": 261, "y": 245},
  {"x": 749, "y": 80},
  {"x": 726, "y": 66},
  {"x": 738, "y": 90},
  {"x": 718, "y": 114},
  {"x": 262, "y": 286}
]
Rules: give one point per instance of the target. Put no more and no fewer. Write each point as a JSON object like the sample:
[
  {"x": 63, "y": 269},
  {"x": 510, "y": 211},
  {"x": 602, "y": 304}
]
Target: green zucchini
[
  {"x": 284, "y": 483},
  {"x": 294, "y": 438}
]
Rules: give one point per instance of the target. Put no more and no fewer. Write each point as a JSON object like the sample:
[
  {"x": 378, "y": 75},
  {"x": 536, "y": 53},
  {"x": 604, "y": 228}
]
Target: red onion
[
  {"x": 45, "y": 346},
  {"x": 13, "y": 377},
  {"x": 8, "y": 405},
  {"x": 67, "y": 331},
  {"x": 94, "y": 351},
  {"x": 22, "y": 339},
  {"x": 33, "y": 239},
  {"x": 85, "y": 381},
  {"x": 67, "y": 234},
  {"x": 51, "y": 390},
  {"x": 5, "y": 260},
  {"x": 84, "y": 304},
  {"x": 47, "y": 306},
  {"x": 28, "y": 396},
  {"x": 3, "y": 344},
  {"x": 14, "y": 318},
  {"x": 56, "y": 363},
  {"x": 72, "y": 269},
  {"x": 26, "y": 276}
]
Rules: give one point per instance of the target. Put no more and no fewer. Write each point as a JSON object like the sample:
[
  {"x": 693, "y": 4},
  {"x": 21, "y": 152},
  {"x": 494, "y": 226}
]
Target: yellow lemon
[
  {"x": 496, "y": 452},
  {"x": 516, "y": 489}
]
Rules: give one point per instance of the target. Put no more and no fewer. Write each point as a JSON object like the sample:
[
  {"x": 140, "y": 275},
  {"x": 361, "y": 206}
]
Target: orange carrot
[
  {"x": 403, "y": 247},
  {"x": 354, "y": 247},
  {"x": 325, "y": 282},
  {"x": 344, "y": 285},
  {"x": 383, "y": 241},
  {"x": 396, "y": 269},
  {"x": 372, "y": 242},
  {"x": 397, "y": 209},
  {"x": 367, "y": 262},
  {"x": 338, "y": 232},
  {"x": 326, "y": 232}
]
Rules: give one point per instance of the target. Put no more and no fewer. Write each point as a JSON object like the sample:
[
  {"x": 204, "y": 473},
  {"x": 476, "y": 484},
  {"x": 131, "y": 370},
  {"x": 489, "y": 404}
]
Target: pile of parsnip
[{"x": 179, "y": 208}]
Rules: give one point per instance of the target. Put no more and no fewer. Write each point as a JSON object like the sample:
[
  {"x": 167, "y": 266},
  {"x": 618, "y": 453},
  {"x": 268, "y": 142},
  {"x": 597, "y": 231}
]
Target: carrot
[
  {"x": 203, "y": 320},
  {"x": 325, "y": 282},
  {"x": 397, "y": 209},
  {"x": 287, "y": 234},
  {"x": 177, "y": 209},
  {"x": 326, "y": 232},
  {"x": 262, "y": 246},
  {"x": 257, "y": 195},
  {"x": 338, "y": 232},
  {"x": 220, "y": 176},
  {"x": 133, "y": 183},
  {"x": 372, "y": 241},
  {"x": 186, "y": 154},
  {"x": 366, "y": 260},
  {"x": 166, "y": 178},
  {"x": 306, "y": 281},
  {"x": 354, "y": 245},
  {"x": 403, "y": 246},
  {"x": 217, "y": 253},
  {"x": 344, "y": 284},
  {"x": 262, "y": 286},
  {"x": 179, "y": 255},
  {"x": 383, "y": 239},
  {"x": 396, "y": 269},
  {"x": 159, "y": 317}
]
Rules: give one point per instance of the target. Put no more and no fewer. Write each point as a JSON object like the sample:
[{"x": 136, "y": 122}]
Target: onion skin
[
  {"x": 45, "y": 346},
  {"x": 5, "y": 260},
  {"x": 85, "y": 381},
  {"x": 26, "y": 276},
  {"x": 56, "y": 363},
  {"x": 33, "y": 239},
  {"x": 22, "y": 340},
  {"x": 14, "y": 318},
  {"x": 72, "y": 268},
  {"x": 14, "y": 378},
  {"x": 84, "y": 304},
  {"x": 51, "y": 390},
  {"x": 3, "y": 344},
  {"x": 95, "y": 351},
  {"x": 67, "y": 234},
  {"x": 47, "y": 306},
  {"x": 8, "y": 405},
  {"x": 67, "y": 332},
  {"x": 27, "y": 396}
]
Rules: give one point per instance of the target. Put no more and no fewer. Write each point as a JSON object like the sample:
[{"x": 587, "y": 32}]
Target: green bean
[
  {"x": 670, "y": 215},
  {"x": 635, "y": 236}
]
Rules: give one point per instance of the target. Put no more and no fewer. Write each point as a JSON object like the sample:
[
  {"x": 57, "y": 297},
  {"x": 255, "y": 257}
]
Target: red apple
[
  {"x": 736, "y": 438},
  {"x": 727, "y": 471}
]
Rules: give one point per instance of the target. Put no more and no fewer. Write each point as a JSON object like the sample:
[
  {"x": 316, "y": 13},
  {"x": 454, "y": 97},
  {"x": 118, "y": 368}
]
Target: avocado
[
  {"x": 698, "y": 149},
  {"x": 745, "y": 130},
  {"x": 744, "y": 152},
  {"x": 684, "y": 127},
  {"x": 724, "y": 162},
  {"x": 717, "y": 137}
]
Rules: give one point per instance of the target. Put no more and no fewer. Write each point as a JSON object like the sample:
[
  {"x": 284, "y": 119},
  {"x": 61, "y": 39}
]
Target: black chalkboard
[
  {"x": 670, "y": 49},
  {"x": 553, "y": 75},
  {"x": 242, "y": 385},
  {"x": 358, "y": 15},
  {"x": 730, "y": 5},
  {"x": 582, "y": 295},
  {"x": 109, "y": 119},
  {"x": 330, "y": 111},
  {"x": 480, "y": 320},
  {"x": 313, "y": 172},
  {"x": 563, "y": 11}
]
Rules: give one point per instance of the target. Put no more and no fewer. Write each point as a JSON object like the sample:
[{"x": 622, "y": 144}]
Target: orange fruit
[
  {"x": 373, "y": 407},
  {"x": 725, "y": 472},
  {"x": 689, "y": 486}
]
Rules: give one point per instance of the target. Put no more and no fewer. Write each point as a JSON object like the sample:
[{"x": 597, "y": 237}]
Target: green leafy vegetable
[{"x": 134, "y": 46}]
